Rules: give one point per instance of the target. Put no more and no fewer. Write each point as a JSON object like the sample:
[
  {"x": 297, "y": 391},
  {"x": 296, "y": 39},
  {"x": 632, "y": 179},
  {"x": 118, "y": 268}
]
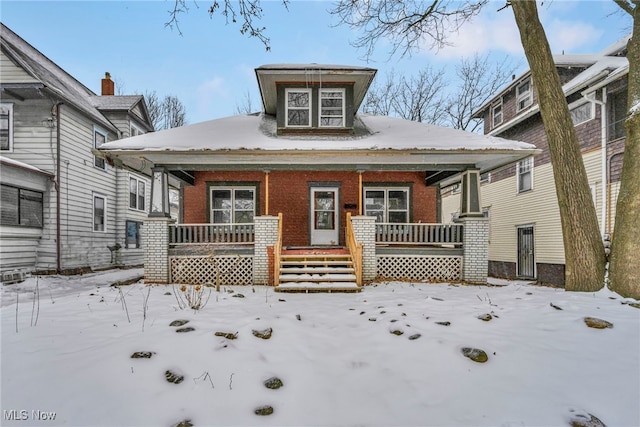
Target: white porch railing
[
  {"x": 419, "y": 234},
  {"x": 237, "y": 233}
]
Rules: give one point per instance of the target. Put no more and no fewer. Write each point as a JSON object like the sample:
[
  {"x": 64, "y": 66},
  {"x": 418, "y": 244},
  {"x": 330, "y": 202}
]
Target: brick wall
[
  {"x": 156, "y": 250},
  {"x": 364, "y": 228},
  {"x": 289, "y": 194},
  {"x": 475, "y": 263},
  {"x": 266, "y": 234}
]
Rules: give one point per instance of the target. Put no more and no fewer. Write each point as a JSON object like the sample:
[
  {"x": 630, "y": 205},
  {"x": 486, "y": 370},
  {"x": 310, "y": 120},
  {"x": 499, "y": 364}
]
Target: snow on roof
[
  {"x": 258, "y": 132},
  {"x": 116, "y": 102},
  {"x": 606, "y": 63},
  {"x": 312, "y": 66},
  {"x": 15, "y": 163}
]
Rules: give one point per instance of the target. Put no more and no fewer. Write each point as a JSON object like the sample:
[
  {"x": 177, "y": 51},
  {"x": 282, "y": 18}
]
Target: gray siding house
[{"x": 65, "y": 207}]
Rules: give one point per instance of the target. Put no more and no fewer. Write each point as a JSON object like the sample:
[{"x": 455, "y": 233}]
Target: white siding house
[{"x": 83, "y": 215}]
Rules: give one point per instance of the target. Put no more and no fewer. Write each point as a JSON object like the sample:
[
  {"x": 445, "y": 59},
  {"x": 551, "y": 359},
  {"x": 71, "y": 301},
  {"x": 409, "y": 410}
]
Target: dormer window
[
  {"x": 331, "y": 108},
  {"x": 524, "y": 98},
  {"x": 298, "y": 107}
]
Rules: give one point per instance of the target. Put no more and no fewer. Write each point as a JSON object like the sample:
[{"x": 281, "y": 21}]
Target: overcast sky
[{"x": 210, "y": 66}]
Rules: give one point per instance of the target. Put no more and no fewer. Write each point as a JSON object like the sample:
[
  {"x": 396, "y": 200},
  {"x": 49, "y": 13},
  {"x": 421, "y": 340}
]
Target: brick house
[
  {"x": 309, "y": 195},
  {"x": 520, "y": 199}
]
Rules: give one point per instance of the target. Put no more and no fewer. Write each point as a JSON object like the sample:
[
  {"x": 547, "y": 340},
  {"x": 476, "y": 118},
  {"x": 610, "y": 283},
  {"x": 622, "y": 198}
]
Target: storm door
[
  {"x": 324, "y": 216},
  {"x": 526, "y": 259}
]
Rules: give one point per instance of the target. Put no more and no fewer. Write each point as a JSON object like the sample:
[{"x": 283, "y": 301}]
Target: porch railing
[
  {"x": 355, "y": 249},
  {"x": 419, "y": 234},
  {"x": 237, "y": 233},
  {"x": 277, "y": 252}
]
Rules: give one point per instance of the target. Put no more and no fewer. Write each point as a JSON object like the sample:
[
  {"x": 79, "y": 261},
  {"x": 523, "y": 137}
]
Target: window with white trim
[
  {"x": 99, "y": 213},
  {"x": 20, "y": 207},
  {"x": 298, "y": 107},
  {"x": 137, "y": 191},
  {"x": 99, "y": 138},
  {"x": 581, "y": 112},
  {"x": 387, "y": 204},
  {"x": 135, "y": 130},
  {"x": 525, "y": 175},
  {"x": 524, "y": 95},
  {"x": 232, "y": 204},
  {"x": 496, "y": 114},
  {"x": 331, "y": 107},
  {"x": 6, "y": 127}
]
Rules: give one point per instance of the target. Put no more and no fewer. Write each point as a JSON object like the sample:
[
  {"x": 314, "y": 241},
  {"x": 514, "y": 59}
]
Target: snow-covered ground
[{"x": 66, "y": 355}]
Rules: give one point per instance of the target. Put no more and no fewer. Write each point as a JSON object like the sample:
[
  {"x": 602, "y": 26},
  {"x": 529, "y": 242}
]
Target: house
[
  {"x": 520, "y": 199},
  {"x": 65, "y": 208},
  {"x": 308, "y": 194}
]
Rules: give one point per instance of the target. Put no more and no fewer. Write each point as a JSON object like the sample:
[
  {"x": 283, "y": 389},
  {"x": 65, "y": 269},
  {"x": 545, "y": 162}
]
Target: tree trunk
[
  {"x": 583, "y": 248},
  {"x": 625, "y": 247}
]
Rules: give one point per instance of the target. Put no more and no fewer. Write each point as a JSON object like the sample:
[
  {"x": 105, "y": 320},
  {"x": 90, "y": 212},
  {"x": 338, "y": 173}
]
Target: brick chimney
[{"x": 108, "y": 88}]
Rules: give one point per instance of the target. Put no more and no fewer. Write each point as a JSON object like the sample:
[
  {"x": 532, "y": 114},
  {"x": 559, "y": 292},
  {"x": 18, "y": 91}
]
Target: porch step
[{"x": 316, "y": 272}]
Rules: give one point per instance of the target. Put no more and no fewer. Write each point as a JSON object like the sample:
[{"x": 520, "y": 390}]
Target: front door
[
  {"x": 526, "y": 260},
  {"x": 324, "y": 216}
]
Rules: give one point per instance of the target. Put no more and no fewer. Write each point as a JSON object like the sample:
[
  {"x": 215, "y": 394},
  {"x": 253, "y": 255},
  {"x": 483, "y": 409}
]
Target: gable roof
[
  {"x": 126, "y": 103},
  {"x": 598, "y": 66},
  {"x": 57, "y": 81}
]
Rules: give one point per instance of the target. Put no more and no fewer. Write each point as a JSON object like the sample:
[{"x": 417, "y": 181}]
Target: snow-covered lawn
[{"x": 341, "y": 357}]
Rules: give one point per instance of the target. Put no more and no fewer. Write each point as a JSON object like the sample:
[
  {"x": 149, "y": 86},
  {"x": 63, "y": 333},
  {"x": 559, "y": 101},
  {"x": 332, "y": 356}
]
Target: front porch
[{"x": 253, "y": 254}]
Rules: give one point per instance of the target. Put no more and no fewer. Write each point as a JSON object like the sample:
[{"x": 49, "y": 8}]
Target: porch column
[
  {"x": 364, "y": 227},
  {"x": 470, "y": 194},
  {"x": 156, "y": 249},
  {"x": 159, "y": 193},
  {"x": 266, "y": 234},
  {"x": 475, "y": 263}
]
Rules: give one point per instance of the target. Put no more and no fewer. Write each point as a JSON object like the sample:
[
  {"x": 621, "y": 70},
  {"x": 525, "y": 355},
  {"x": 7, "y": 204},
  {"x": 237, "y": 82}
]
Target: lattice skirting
[
  {"x": 419, "y": 267},
  {"x": 201, "y": 270}
]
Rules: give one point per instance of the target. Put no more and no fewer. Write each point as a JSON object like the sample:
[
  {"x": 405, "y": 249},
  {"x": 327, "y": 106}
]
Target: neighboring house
[
  {"x": 65, "y": 207},
  {"x": 337, "y": 179},
  {"x": 520, "y": 199}
]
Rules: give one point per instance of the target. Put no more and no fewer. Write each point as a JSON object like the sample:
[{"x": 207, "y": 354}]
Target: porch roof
[{"x": 250, "y": 142}]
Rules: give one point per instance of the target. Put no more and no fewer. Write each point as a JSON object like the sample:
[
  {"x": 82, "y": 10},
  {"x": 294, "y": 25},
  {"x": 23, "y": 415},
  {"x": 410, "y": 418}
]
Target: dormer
[{"x": 313, "y": 99}]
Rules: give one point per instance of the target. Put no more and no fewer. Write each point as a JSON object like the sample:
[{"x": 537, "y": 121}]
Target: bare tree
[
  {"x": 407, "y": 25},
  {"x": 426, "y": 98},
  {"x": 167, "y": 113},
  {"x": 410, "y": 24},
  {"x": 478, "y": 80},
  {"x": 248, "y": 12},
  {"x": 247, "y": 105},
  {"x": 625, "y": 245}
]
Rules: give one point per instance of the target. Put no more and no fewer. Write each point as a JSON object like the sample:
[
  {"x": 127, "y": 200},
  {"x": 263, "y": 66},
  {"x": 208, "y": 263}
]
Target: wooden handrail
[
  {"x": 355, "y": 249},
  {"x": 277, "y": 251}
]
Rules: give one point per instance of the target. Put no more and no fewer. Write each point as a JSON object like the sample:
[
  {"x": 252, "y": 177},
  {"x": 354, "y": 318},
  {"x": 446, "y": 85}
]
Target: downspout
[
  {"x": 603, "y": 157},
  {"x": 57, "y": 186}
]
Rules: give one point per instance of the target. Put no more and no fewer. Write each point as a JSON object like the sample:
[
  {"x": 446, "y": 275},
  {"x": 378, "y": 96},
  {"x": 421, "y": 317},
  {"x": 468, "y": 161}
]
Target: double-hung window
[
  {"x": 298, "y": 107},
  {"x": 135, "y": 130},
  {"x": 6, "y": 127},
  {"x": 99, "y": 213},
  {"x": 387, "y": 204},
  {"x": 496, "y": 115},
  {"x": 331, "y": 107},
  {"x": 137, "y": 189},
  {"x": 233, "y": 204},
  {"x": 525, "y": 175},
  {"x": 99, "y": 138},
  {"x": 20, "y": 207},
  {"x": 524, "y": 96}
]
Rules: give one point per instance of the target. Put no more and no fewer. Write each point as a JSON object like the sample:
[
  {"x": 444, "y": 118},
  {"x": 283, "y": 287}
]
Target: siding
[
  {"x": 11, "y": 73},
  {"x": 130, "y": 256},
  {"x": 538, "y": 207}
]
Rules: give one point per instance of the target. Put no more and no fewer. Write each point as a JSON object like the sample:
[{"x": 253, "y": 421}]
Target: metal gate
[{"x": 526, "y": 260}]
